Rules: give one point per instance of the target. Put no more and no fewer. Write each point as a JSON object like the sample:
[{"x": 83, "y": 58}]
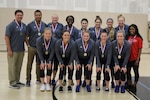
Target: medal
[
  {"x": 46, "y": 52},
  {"x": 97, "y": 33},
  {"x": 85, "y": 54},
  {"x": 119, "y": 56},
  {"x": 102, "y": 55},
  {"x": 63, "y": 55},
  {"x": 64, "y": 49},
  {"x": 39, "y": 34}
]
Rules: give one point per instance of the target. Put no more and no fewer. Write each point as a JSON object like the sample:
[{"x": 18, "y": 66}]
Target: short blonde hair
[{"x": 119, "y": 16}]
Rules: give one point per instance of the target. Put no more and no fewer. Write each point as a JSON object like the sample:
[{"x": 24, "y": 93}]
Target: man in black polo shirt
[{"x": 14, "y": 38}]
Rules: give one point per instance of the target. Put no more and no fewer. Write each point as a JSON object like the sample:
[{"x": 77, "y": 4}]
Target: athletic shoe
[
  {"x": 69, "y": 89},
  {"x": 53, "y": 82},
  {"x": 48, "y": 88},
  {"x": 28, "y": 84},
  {"x": 78, "y": 88},
  {"x": 15, "y": 86},
  {"x": 20, "y": 84},
  {"x": 38, "y": 81},
  {"x": 88, "y": 88},
  {"x": 64, "y": 83},
  {"x": 60, "y": 89},
  {"x": 42, "y": 89},
  {"x": 117, "y": 88},
  {"x": 122, "y": 89},
  {"x": 84, "y": 84},
  {"x": 106, "y": 89},
  {"x": 98, "y": 89}
]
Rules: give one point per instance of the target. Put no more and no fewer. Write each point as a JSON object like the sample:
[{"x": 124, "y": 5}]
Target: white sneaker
[
  {"x": 48, "y": 88},
  {"x": 42, "y": 89}
]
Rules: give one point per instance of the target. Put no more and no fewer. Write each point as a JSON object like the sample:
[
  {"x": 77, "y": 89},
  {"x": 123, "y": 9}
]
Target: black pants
[
  {"x": 56, "y": 62},
  {"x": 112, "y": 68},
  {"x": 87, "y": 73},
  {"x": 62, "y": 71},
  {"x": 135, "y": 69},
  {"x": 42, "y": 72},
  {"x": 120, "y": 75}
]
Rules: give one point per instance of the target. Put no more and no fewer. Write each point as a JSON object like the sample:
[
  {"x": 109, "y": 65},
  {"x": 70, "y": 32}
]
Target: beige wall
[{"x": 7, "y": 15}]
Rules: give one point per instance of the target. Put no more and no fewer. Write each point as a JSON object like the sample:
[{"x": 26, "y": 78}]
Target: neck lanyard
[{"x": 38, "y": 28}]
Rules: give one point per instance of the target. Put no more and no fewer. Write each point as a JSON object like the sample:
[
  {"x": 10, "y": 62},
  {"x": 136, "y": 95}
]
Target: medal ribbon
[
  {"x": 97, "y": 33},
  {"x": 54, "y": 29},
  {"x": 20, "y": 27},
  {"x": 47, "y": 46},
  {"x": 38, "y": 28},
  {"x": 85, "y": 48},
  {"x": 103, "y": 48},
  {"x": 64, "y": 47},
  {"x": 120, "y": 49},
  {"x": 70, "y": 29}
]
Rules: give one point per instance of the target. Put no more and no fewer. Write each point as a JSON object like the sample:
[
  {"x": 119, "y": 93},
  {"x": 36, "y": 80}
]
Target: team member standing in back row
[
  {"x": 103, "y": 53},
  {"x": 121, "y": 53},
  {"x": 136, "y": 48},
  {"x": 57, "y": 29},
  {"x": 96, "y": 30},
  {"x": 34, "y": 30},
  {"x": 14, "y": 38},
  {"x": 122, "y": 26},
  {"x": 45, "y": 48},
  {"x": 84, "y": 57},
  {"x": 111, "y": 36},
  {"x": 65, "y": 52}
]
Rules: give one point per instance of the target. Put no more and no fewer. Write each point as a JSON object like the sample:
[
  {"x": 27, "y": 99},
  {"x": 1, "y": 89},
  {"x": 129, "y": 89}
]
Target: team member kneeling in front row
[
  {"x": 45, "y": 48},
  {"x": 65, "y": 52},
  {"x": 121, "y": 53},
  {"x": 84, "y": 56},
  {"x": 103, "y": 52}
]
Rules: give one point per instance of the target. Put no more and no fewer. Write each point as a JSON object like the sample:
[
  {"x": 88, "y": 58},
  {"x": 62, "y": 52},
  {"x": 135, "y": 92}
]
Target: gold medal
[
  {"x": 119, "y": 56},
  {"x": 63, "y": 55},
  {"x": 102, "y": 55},
  {"x": 39, "y": 34},
  {"x": 85, "y": 54},
  {"x": 46, "y": 52}
]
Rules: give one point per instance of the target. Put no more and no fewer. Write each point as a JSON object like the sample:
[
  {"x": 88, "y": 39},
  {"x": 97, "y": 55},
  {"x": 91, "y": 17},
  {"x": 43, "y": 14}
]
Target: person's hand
[
  {"x": 61, "y": 66},
  {"x": 10, "y": 53},
  {"x": 49, "y": 66},
  {"x": 89, "y": 67},
  {"x": 107, "y": 69},
  {"x": 78, "y": 66},
  {"x": 136, "y": 62},
  {"x": 42, "y": 66},
  {"x": 116, "y": 68},
  {"x": 98, "y": 69},
  {"x": 124, "y": 69},
  {"x": 71, "y": 67}
]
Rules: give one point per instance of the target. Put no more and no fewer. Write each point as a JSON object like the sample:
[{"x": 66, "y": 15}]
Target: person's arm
[
  {"x": 97, "y": 55},
  {"x": 115, "y": 56},
  {"x": 127, "y": 55},
  {"x": 109, "y": 56},
  {"x": 92, "y": 55},
  {"x": 77, "y": 53},
  {"x": 73, "y": 53},
  {"x": 58, "y": 54},
  {"x": 39, "y": 50},
  {"x": 51, "y": 53},
  {"x": 27, "y": 36}
]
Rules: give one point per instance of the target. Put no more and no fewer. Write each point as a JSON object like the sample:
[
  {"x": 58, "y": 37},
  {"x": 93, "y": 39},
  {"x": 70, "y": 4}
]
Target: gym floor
[{"x": 33, "y": 92}]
